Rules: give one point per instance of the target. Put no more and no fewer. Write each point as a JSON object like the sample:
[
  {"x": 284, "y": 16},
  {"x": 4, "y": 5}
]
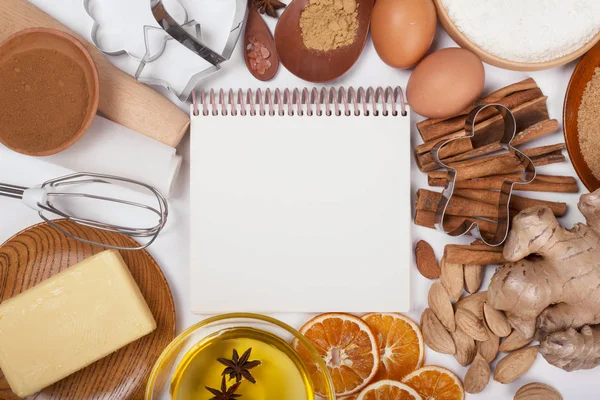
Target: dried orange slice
[
  {"x": 436, "y": 383},
  {"x": 401, "y": 348},
  {"x": 348, "y": 347},
  {"x": 388, "y": 390}
]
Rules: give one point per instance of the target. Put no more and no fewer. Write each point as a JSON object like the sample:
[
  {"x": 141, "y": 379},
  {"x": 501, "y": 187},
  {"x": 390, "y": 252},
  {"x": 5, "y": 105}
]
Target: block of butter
[{"x": 70, "y": 320}]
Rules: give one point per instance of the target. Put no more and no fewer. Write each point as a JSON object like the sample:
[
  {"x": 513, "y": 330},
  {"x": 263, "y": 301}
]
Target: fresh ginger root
[
  {"x": 572, "y": 350},
  {"x": 551, "y": 286}
]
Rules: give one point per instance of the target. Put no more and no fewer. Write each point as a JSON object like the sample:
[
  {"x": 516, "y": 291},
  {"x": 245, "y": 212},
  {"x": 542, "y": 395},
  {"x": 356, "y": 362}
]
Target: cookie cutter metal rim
[
  {"x": 122, "y": 52},
  {"x": 241, "y": 11},
  {"x": 529, "y": 174}
]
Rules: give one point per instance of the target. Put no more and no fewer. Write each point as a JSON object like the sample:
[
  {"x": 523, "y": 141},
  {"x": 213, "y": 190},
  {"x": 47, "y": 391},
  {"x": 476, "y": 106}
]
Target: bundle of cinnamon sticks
[{"x": 482, "y": 163}]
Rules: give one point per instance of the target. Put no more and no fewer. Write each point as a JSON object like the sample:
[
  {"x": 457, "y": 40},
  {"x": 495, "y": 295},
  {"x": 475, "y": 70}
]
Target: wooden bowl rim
[
  {"x": 94, "y": 96},
  {"x": 151, "y": 263},
  {"x": 462, "y": 40},
  {"x": 583, "y": 170}
]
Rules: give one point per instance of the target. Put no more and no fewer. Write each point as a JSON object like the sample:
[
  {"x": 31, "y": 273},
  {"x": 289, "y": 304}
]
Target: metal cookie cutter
[
  {"x": 503, "y": 216},
  {"x": 181, "y": 33}
]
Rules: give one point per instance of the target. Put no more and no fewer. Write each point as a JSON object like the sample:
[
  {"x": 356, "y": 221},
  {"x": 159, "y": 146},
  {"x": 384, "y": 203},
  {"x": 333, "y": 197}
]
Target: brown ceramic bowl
[
  {"x": 491, "y": 59},
  {"x": 51, "y": 39},
  {"x": 581, "y": 76}
]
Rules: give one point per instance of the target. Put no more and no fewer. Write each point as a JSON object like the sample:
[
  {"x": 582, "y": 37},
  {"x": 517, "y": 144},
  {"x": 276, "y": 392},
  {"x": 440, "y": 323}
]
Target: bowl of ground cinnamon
[{"x": 49, "y": 91}]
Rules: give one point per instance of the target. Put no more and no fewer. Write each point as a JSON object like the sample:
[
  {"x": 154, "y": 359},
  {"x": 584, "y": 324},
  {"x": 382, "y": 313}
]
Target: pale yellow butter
[{"x": 69, "y": 321}]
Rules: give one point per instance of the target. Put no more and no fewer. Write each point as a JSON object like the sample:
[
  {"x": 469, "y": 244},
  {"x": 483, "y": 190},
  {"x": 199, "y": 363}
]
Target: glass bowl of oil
[{"x": 240, "y": 356}]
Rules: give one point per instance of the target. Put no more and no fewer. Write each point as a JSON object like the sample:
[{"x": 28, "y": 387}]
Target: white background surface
[{"x": 172, "y": 248}]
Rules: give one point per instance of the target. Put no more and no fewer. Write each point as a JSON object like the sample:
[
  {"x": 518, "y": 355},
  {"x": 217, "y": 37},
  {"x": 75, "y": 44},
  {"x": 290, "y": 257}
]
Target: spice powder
[
  {"x": 43, "y": 102},
  {"x": 588, "y": 124},
  {"x": 329, "y": 24}
]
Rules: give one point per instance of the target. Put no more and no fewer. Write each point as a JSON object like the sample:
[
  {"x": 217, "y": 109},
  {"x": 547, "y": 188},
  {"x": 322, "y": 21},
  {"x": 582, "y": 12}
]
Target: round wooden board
[
  {"x": 39, "y": 252},
  {"x": 464, "y": 42},
  {"x": 581, "y": 76}
]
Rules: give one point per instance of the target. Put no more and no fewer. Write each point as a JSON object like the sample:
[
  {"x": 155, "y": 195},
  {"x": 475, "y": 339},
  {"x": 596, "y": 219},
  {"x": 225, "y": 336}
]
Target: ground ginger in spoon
[{"x": 329, "y": 24}]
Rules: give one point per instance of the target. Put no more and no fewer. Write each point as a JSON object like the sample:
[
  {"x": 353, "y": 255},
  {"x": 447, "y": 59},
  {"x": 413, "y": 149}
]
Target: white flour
[{"x": 526, "y": 30}]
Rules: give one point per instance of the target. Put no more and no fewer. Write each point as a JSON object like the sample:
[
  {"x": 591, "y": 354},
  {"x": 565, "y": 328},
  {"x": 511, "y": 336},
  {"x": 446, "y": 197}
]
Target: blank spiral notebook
[{"x": 300, "y": 202}]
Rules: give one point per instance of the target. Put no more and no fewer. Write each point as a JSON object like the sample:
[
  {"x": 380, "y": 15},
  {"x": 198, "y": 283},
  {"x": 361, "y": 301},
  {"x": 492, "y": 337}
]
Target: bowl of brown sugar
[
  {"x": 49, "y": 91},
  {"x": 581, "y": 119}
]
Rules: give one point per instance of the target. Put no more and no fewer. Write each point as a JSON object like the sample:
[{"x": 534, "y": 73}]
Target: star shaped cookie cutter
[
  {"x": 527, "y": 169},
  {"x": 180, "y": 33}
]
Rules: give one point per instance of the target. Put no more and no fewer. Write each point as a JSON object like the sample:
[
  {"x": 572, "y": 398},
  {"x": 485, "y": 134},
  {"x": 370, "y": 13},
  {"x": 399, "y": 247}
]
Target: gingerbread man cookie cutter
[{"x": 527, "y": 175}]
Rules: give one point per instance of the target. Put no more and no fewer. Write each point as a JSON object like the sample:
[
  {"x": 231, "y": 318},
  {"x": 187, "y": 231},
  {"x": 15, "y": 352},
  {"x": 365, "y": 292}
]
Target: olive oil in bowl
[{"x": 279, "y": 375}]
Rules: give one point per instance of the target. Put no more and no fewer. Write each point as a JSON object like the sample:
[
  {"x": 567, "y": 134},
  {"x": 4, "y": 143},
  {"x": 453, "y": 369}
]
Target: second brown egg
[{"x": 403, "y": 30}]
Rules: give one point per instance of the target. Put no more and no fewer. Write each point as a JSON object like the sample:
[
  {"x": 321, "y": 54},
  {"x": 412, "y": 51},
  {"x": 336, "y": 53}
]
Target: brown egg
[
  {"x": 445, "y": 83},
  {"x": 403, "y": 30}
]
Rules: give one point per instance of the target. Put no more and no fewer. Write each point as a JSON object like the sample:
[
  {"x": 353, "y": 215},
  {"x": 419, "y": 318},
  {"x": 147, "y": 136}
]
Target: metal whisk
[{"x": 45, "y": 198}]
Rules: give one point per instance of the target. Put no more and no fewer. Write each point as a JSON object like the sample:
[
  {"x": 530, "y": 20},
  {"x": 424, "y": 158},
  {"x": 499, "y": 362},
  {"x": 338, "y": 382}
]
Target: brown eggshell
[
  {"x": 445, "y": 83},
  {"x": 403, "y": 30}
]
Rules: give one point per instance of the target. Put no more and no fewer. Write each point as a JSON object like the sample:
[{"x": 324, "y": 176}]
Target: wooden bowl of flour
[{"x": 463, "y": 41}]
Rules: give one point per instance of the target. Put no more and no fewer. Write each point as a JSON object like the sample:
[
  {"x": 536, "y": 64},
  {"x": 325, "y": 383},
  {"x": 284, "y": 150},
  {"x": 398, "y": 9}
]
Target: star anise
[
  {"x": 239, "y": 367},
  {"x": 224, "y": 393},
  {"x": 268, "y": 6}
]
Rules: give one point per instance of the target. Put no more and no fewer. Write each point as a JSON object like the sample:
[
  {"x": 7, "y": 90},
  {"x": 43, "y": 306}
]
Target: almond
[
  {"x": 513, "y": 342},
  {"x": 466, "y": 349},
  {"x": 516, "y": 364},
  {"x": 489, "y": 348},
  {"x": 496, "y": 321},
  {"x": 435, "y": 334},
  {"x": 471, "y": 325},
  {"x": 426, "y": 261},
  {"x": 473, "y": 303},
  {"x": 452, "y": 277},
  {"x": 440, "y": 304},
  {"x": 473, "y": 277},
  {"x": 478, "y": 375},
  {"x": 537, "y": 391}
]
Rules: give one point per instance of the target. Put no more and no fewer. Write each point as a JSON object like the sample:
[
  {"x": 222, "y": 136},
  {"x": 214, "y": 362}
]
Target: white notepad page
[{"x": 300, "y": 214}]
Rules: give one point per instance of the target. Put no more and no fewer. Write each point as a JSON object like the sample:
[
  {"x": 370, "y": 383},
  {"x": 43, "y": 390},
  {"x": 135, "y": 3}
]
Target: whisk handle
[
  {"x": 35, "y": 196},
  {"x": 12, "y": 191}
]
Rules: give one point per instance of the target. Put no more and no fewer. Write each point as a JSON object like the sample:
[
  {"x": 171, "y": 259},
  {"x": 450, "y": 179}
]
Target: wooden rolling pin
[{"x": 122, "y": 99}]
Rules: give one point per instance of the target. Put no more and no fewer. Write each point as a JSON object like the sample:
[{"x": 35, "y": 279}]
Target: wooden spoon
[
  {"x": 258, "y": 31},
  {"x": 581, "y": 76},
  {"x": 318, "y": 66}
]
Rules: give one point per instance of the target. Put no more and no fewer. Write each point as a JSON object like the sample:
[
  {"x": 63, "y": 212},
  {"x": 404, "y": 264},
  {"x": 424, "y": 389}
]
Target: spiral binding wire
[{"x": 341, "y": 101}]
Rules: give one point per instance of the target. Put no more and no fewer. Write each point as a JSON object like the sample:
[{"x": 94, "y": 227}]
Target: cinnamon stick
[
  {"x": 479, "y": 254},
  {"x": 507, "y": 163},
  {"x": 517, "y": 202},
  {"x": 548, "y": 183},
  {"x": 428, "y": 220},
  {"x": 542, "y": 183},
  {"x": 544, "y": 150},
  {"x": 428, "y": 200},
  {"x": 526, "y": 115},
  {"x": 496, "y": 165},
  {"x": 512, "y": 96},
  {"x": 549, "y": 159},
  {"x": 475, "y": 153},
  {"x": 426, "y": 163},
  {"x": 536, "y": 131},
  {"x": 525, "y": 84}
]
